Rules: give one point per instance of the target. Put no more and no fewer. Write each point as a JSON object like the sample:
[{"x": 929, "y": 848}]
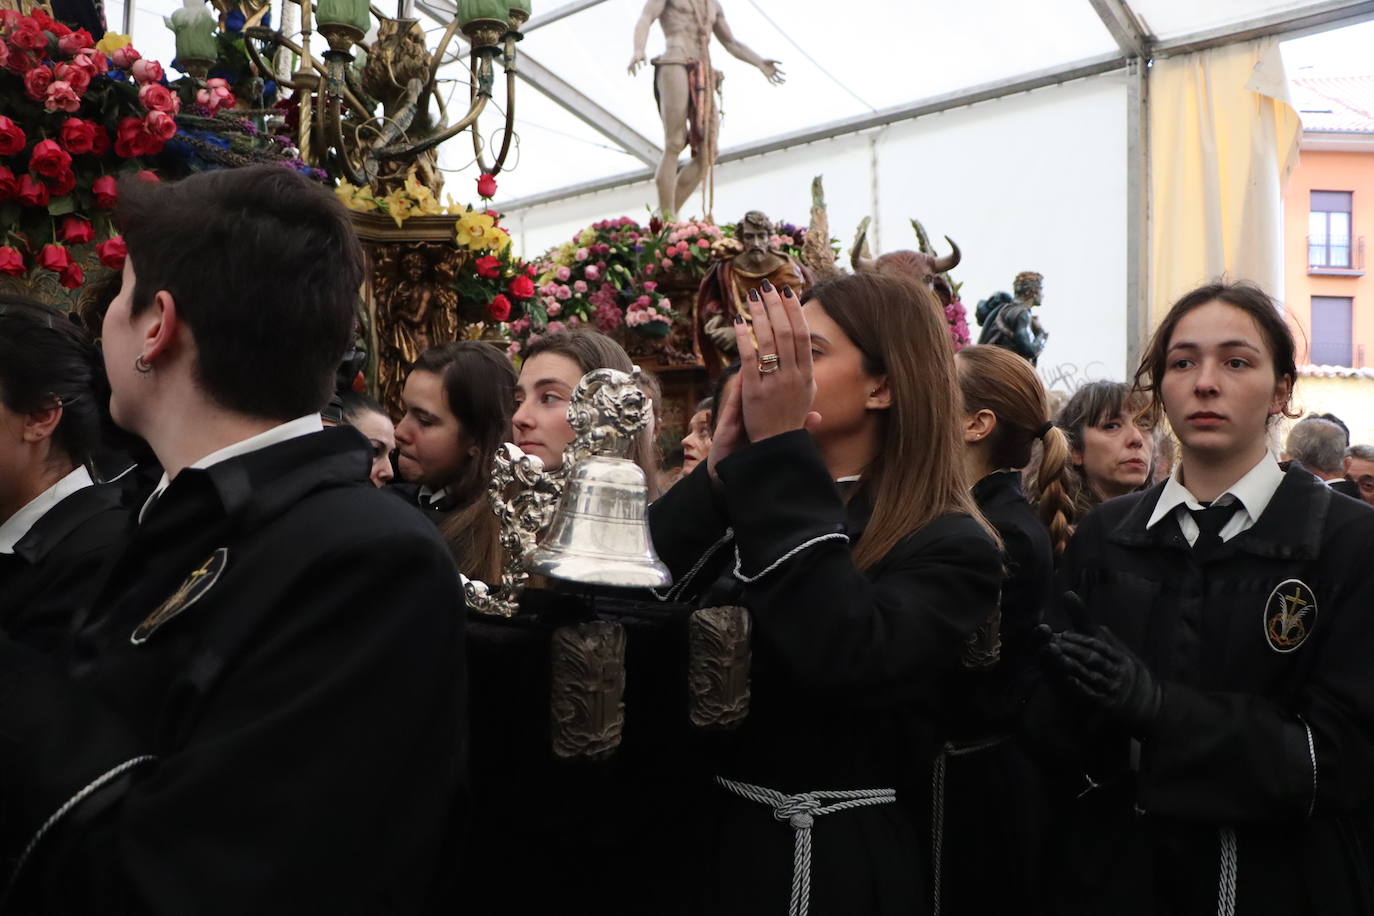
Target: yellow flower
[
  {"x": 588, "y": 237},
  {"x": 399, "y": 205},
  {"x": 476, "y": 231},
  {"x": 425, "y": 201},
  {"x": 359, "y": 199},
  {"x": 501, "y": 240},
  {"x": 111, "y": 43},
  {"x": 564, "y": 256}
]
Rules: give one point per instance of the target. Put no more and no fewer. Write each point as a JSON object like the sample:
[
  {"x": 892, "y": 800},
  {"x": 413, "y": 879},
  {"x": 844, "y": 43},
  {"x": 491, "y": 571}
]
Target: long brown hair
[
  {"x": 592, "y": 350},
  {"x": 995, "y": 379},
  {"x": 479, "y": 386},
  {"x": 917, "y": 475}
]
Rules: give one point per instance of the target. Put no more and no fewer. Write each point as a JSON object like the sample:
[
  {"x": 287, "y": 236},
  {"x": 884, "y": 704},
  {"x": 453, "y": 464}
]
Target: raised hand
[{"x": 776, "y": 382}]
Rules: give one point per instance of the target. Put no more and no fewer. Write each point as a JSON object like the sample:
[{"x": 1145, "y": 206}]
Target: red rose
[
  {"x": 486, "y": 188},
  {"x": 29, "y": 37},
  {"x": 7, "y": 183},
  {"x": 54, "y": 258},
  {"x": 91, "y": 60},
  {"x": 70, "y": 44},
  {"x": 100, "y": 142},
  {"x": 49, "y": 24},
  {"x": 488, "y": 266},
  {"x": 128, "y": 138},
  {"x": 106, "y": 191},
  {"x": 112, "y": 252},
  {"x": 4, "y": 54},
  {"x": 522, "y": 287},
  {"x": 12, "y": 137},
  {"x": 31, "y": 192},
  {"x": 62, "y": 184},
  {"x": 72, "y": 276},
  {"x": 77, "y": 136},
  {"x": 76, "y": 231},
  {"x": 49, "y": 159},
  {"x": 499, "y": 308},
  {"x": 157, "y": 97},
  {"x": 36, "y": 82},
  {"x": 11, "y": 261},
  {"x": 160, "y": 126},
  {"x": 62, "y": 97},
  {"x": 146, "y": 71},
  {"x": 145, "y": 175}
]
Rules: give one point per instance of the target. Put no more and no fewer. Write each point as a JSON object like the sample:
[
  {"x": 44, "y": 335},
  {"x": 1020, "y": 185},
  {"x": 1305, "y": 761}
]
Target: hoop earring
[{"x": 142, "y": 366}]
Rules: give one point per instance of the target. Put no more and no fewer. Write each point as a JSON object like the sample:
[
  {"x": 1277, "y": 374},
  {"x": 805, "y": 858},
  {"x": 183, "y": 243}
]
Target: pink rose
[
  {"x": 554, "y": 308},
  {"x": 76, "y": 41},
  {"x": 702, "y": 243},
  {"x": 650, "y": 286},
  {"x": 160, "y": 126},
  {"x": 563, "y": 293},
  {"x": 593, "y": 273},
  {"x": 667, "y": 264},
  {"x": 580, "y": 286},
  {"x": 556, "y": 326},
  {"x": 112, "y": 252},
  {"x": 582, "y": 254},
  {"x": 61, "y": 97},
  {"x": 146, "y": 71},
  {"x": 91, "y": 60},
  {"x": 79, "y": 78},
  {"x": 125, "y": 57},
  {"x": 106, "y": 192},
  {"x": 157, "y": 97},
  {"x": 11, "y": 261},
  {"x": 36, "y": 82},
  {"x": 563, "y": 273}
]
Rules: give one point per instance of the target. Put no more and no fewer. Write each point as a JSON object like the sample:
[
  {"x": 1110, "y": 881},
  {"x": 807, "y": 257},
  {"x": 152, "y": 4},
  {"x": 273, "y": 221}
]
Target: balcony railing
[{"x": 1333, "y": 255}]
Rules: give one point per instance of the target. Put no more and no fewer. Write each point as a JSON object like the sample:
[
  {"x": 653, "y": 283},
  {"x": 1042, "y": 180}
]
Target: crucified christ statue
[{"x": 685, "y": 86}]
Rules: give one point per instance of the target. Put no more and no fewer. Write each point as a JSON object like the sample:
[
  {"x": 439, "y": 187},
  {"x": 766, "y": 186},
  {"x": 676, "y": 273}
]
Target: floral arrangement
[
  {"x": 685, "y": 248},
  {"x": 599, "y": 277},
  {"x": 957, "y": 317},
  {"x": 410, "y": 199},
  {"x": 75, "y": 114}
]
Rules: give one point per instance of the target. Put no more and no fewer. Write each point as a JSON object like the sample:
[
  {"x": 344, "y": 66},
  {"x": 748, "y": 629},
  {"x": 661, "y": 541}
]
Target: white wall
[{"x": 1035, "y": 181}]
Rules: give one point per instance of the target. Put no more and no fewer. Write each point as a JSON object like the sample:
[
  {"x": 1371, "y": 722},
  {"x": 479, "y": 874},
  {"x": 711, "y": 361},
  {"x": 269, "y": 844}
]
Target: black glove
[{"x": 1101, "y": 669}]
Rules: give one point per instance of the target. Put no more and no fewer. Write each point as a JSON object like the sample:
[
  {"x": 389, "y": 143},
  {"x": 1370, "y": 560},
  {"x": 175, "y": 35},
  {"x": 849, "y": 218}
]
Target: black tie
[{"x": 1210, "y": 520}]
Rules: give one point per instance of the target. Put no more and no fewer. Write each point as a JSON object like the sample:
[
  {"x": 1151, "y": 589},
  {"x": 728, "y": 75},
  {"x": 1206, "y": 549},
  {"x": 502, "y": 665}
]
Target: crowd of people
[{"x": 1104, "y": 659}]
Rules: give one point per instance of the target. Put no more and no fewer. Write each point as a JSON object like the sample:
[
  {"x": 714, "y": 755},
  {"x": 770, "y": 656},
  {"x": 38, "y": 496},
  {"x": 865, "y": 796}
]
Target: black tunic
[
  {"x": 991, "y": 798},
  {"x": 291, "y": 742},
  {"x": 1262, "y": 756},
  {"x": 846, "y": 666},
  {"x": 57, "y": 566}
]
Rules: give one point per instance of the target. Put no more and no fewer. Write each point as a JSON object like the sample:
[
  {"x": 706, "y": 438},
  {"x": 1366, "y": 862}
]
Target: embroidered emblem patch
[
  {"x": 1289, "y": 615},
  {"x": 187, "y": 594}
]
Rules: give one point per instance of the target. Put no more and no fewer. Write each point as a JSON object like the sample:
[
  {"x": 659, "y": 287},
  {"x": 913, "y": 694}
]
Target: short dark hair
[
  {"x": 1247, "y": 297},
  {"x": 264, "y": 267},
  {"x": 47, "y": 360}
]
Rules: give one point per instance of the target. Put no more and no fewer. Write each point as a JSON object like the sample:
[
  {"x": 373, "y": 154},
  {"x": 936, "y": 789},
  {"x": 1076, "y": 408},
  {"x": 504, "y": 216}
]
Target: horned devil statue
[{"x": 921, "y": 266}]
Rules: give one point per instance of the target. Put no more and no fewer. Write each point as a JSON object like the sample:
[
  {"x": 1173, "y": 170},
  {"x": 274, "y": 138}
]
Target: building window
[
  {"x": 1331, "y": 330},
  {"x": 1328, "y": 229}
]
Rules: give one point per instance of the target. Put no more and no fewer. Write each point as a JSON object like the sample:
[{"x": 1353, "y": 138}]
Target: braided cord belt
[{"x": 800, "y": 812}]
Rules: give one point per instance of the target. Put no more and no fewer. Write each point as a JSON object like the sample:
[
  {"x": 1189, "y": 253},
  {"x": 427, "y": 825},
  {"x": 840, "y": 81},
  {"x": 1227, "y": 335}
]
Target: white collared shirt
[
  {"x": 1253, "y": 491},
  {"x": 432, "y": 497},
  {"x": 301, "y": 426},
  {"x": 19, "y": 524}
]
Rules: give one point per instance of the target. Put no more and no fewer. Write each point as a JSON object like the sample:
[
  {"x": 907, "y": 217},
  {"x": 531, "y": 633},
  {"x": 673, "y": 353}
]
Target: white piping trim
[
  {"x": 835, "y": 536},
  {"x": 1312, "y": 754},
  {"x": 680, "y": 584},
  {"x": 61, "y": 812}
]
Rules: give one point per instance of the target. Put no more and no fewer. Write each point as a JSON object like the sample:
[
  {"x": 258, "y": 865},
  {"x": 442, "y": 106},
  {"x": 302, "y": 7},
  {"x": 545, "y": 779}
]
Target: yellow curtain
[{"x": 1224, "y": 139}]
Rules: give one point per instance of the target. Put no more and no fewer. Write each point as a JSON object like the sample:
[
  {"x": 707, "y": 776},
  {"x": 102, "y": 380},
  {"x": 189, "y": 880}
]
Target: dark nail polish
[
  {"x": 787, "y": 291},
  {"x": 739, "y": 319},
  {"x": 754, "y": 295},
  {"x": 767, "y": 287}
]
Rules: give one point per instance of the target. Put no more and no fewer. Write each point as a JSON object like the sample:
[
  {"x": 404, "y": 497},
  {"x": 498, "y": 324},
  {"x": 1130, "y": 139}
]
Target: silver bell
[{"x": 600, "y": 533}]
